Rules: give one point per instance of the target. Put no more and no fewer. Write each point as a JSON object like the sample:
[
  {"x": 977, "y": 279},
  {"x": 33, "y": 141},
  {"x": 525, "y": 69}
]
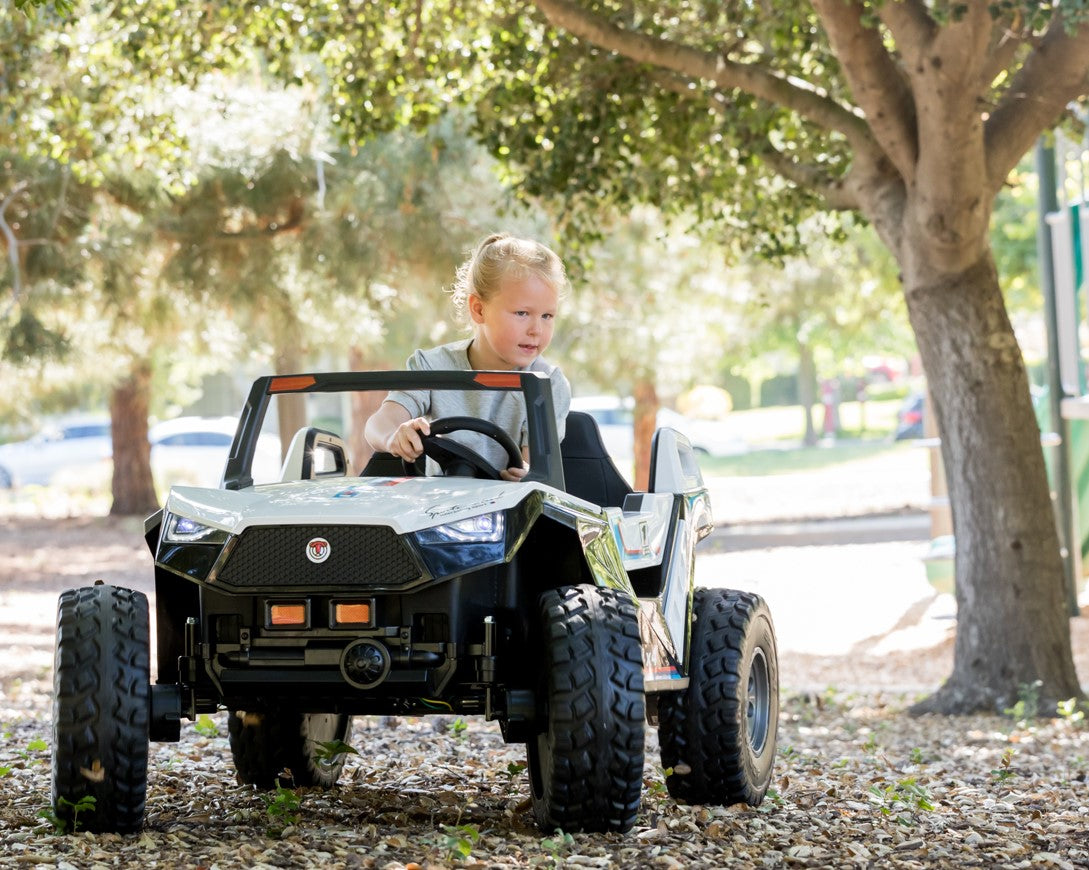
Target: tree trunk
[
  {"x": 290, "y": 407},
  {"x": 1013, "y": 630},
  {"x": 645, "y": 423},
  {"x": 807, "y": 389},
  {"x": 133, "y": 487},
  {"x": 363, "y": 404}
]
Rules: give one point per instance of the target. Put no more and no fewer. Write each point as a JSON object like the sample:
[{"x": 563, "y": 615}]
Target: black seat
[{"x": 588, "y": 471}]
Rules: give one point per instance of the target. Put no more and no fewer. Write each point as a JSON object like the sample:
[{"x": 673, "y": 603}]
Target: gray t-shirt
[{"x": 504, "y": 408}]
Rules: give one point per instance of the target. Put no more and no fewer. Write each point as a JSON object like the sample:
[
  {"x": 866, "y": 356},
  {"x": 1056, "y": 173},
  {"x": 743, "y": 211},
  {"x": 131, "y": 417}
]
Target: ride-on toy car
[{"x": 561, "y": 606}]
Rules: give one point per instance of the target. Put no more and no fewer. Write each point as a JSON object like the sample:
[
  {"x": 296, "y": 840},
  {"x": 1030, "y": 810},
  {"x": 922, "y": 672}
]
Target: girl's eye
[
  {"x": 549, "y": 316},
  {"x": 521, "y": 313}
]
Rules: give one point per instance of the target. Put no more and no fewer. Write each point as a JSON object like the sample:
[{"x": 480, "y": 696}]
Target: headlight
[
  {"x": 182, "y": 530},
  {"x": 463, "y": 545},
  {"x": 483, "y": 529}
]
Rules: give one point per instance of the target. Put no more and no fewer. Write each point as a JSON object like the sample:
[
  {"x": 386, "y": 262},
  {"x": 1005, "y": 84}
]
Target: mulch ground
[{"x": 857, "y": 781}]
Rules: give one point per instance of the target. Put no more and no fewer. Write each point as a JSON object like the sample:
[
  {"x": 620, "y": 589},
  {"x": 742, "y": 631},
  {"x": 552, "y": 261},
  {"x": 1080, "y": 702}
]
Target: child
[{"x": 510, "y": 289}]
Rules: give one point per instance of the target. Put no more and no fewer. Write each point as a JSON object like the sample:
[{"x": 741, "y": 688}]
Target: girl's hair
[{"x": 497, "y": 256}]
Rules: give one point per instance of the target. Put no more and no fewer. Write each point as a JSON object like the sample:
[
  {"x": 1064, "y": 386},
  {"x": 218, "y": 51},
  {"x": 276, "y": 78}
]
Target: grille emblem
[{"x": 318, "y": 550}]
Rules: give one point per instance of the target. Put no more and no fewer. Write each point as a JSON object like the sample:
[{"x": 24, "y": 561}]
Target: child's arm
[{"x": 391, "y": 429}]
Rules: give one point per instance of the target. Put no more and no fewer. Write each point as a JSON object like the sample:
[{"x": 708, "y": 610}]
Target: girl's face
[{"x": 514, "y": 326}]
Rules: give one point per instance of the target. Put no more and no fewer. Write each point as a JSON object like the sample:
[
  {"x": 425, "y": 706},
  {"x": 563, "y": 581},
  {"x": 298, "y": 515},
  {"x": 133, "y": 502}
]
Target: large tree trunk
[
  {"x": 363, "y": 404},
  {"x": 290, "y": 407},
  {"x": 807, "y": 390},
  {"x": 646, "y": 421},
  {"x": 133, "y": 487},
  {"x": 1012, "y": 626}
]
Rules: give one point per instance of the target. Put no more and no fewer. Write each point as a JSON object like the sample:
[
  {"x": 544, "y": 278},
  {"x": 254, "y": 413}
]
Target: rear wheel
[
  {"x": 101, "y": 692},
  {"x": 286, "y": 746},
  {"x": 718, "y": 735},
  {"x": 586, "y": 762}
]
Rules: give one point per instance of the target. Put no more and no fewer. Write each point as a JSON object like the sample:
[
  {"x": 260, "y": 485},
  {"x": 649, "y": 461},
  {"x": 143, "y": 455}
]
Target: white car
[
  {"x": 71, "y": 444},
  {"x": 614, "y": 417},
  {"x": 561, "y": 606},
  {"x": 193, "y": 451}
]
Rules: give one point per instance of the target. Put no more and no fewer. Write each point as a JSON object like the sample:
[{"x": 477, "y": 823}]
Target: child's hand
[
  {"x": 405, "y": 442},
  {"x": 514, "y": 473}
]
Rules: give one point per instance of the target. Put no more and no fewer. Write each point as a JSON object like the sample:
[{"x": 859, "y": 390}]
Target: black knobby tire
[
  {"x": 101, "y": 705},
  {"x": 586, "y": 764},
  {"x": 283, "y": 745},
  {"x": 718, "y": 735}
]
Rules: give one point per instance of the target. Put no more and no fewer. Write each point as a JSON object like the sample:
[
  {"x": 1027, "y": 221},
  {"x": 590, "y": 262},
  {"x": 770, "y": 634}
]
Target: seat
[{"x": 588, "y": 471}]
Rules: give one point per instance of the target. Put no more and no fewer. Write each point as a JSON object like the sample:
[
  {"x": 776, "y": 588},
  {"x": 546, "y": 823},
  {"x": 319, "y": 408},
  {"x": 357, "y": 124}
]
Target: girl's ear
[{"x": 476, "y": 308}]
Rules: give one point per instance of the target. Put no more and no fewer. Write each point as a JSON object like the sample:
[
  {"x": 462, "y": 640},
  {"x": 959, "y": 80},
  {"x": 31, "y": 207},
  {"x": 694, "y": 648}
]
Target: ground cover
[{"x": 858, "y": 782}]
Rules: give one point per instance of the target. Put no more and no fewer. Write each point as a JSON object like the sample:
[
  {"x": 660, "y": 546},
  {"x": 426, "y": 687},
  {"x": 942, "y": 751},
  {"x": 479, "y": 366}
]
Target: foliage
[
  {"x": 458, "y": 841},
  {"x": 282, "y": 807},
  {"x": 64, "y": 825},
  {"x": 328, "y": 752},
  {"x": 206, "y": 726}
]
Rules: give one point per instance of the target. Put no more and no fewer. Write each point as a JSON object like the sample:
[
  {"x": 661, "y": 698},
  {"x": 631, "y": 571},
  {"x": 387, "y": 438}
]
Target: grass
[
  {"x": 874, "y": 419},
  {"x": 785, "y": 460},
  {"x": 776, "y": 435}
]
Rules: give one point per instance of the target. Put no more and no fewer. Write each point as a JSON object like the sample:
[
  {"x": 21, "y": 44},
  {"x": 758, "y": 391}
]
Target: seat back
[{"x": 588, "y": 470}]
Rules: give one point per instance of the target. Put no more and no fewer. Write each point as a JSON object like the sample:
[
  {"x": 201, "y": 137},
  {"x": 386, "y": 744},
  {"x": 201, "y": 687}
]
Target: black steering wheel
[{"x": 457, "y": 460}]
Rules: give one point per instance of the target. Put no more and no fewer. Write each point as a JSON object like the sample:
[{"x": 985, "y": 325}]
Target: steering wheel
[{"x": 454, "y": 458}]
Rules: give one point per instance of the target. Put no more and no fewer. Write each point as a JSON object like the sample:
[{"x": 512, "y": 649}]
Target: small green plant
[
  {"x": 557, "y": 844},
  {"x": 329, "y": 752},
  {"x": 4, "y": 771},
  {"x": 205, "y": 726},
  {"x": 902, "y": 798},
  {"x": 773, "y": 800},
  {"x": 870, "y": 747},
  {"x": 514, "y": 770},
  {"x": 282, "y": 807},
  {"x": 917, "y": 755},
  {"x": 458, "y": 728},
  {"x": 1070, "y": 711},
  {"x": 1003, "y": 771},
  {"x": 63, "y": 825},
  {"x": 1028, "y": 702},
  {"x": 458, "y": 841}
]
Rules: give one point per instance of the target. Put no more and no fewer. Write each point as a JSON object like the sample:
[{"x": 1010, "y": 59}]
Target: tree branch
[
  {"x": 791, "y": 93},
  {"x": 877, "y": 83},
  {"x": 909, "y": 22},
  {"x": 813, "y": 178},
  {"x": 1056, "y": 73},
  {"x": 13, "y": 247}
]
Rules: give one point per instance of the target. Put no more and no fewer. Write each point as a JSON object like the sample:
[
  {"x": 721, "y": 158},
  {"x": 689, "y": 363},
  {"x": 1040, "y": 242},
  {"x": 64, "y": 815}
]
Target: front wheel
[
  {"x": 718, "y": 736},
  {"x": 285, "y": 746},
  {"x": 101, "y": 703},
  {"x": 586, "y": 762}
]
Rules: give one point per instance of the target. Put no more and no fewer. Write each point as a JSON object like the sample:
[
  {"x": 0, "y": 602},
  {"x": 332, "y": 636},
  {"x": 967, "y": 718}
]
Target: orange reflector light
[
  {"x": 291, "y": 384},
  {"x": 356, "y": 613},
  {"x": 287, "y": 614},
  {"x": 498, "y": 379}
]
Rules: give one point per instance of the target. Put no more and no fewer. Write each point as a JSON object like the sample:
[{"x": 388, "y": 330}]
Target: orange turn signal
[
  {"x": 287, "y": 614},
  {"x": 354, "y": 613}
]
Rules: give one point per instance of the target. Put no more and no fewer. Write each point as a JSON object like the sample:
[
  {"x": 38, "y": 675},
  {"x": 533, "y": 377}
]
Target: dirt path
[{"x": 858, "y": 783}]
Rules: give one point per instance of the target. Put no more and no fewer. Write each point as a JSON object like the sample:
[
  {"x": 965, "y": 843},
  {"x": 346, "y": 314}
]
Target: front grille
[{"x": 358, "y": 556}]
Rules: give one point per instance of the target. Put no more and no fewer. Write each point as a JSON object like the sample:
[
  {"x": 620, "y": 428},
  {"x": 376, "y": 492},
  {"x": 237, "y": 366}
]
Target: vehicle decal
[
  {"x": 318, "y": 550},
  {"x": 450, "y": 509}
]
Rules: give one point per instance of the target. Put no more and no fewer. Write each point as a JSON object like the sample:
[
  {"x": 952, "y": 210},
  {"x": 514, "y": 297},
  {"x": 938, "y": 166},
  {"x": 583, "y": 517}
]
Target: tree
[
  {"x": 911, "y": 113},
  {"x": 752, "y": 115},
  {"x": 820, "y": 307}
]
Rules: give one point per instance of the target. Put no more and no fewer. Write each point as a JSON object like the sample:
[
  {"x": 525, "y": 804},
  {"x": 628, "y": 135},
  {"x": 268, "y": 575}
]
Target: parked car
[
  {"x": 183, "y": 450},
  {"x": 72, "y": 443},
  {"x": 615, "y": 418},
  {"x": 561, "y": 606},
  {"x": 909, "y": 419},
  {"x": 193, "y": 450}
]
